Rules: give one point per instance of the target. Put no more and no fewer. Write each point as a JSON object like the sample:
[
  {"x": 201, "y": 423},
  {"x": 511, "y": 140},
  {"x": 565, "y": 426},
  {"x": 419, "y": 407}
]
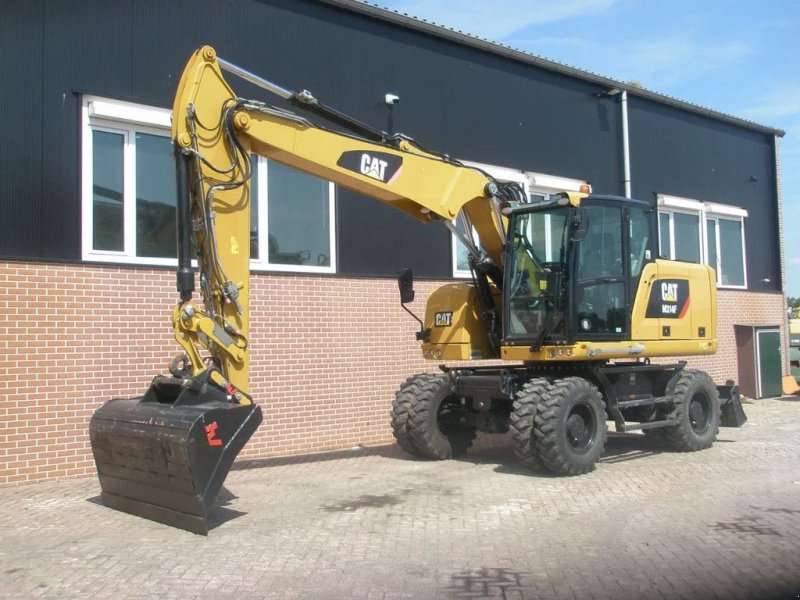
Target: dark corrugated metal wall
[
  {"x": 683, "y": 154},
  {"x": 459, "y": 100}
]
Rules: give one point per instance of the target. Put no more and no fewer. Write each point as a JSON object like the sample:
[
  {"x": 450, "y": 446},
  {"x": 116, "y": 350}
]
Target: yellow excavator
[{"x": 568, "y": 302}]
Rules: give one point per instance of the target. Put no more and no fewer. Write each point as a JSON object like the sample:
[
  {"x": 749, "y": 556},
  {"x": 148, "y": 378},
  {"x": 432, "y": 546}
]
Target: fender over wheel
[{"x": 570, "y": 426}]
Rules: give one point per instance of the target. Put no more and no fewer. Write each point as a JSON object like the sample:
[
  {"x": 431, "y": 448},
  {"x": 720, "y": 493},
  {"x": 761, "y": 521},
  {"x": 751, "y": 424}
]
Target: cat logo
[
  {"x": 372, "y": 166},
  {"x": 669, "y": 299},
  {"x": 443, "y": 319},
  {"x": 669, "y": 292},
  {"x": 380, "y": 166}
]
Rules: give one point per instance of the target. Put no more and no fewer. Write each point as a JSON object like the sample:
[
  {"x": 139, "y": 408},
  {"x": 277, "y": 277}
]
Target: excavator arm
[{"x": 215, "y": 132}]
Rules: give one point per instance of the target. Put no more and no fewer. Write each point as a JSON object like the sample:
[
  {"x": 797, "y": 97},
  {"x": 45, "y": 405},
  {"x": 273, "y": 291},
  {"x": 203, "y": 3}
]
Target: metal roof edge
[{"x": 404, "y": 20}]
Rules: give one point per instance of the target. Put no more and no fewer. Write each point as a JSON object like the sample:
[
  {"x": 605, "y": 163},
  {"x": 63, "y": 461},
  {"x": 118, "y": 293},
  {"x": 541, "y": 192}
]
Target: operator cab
[{"x": 573, "y": 267}]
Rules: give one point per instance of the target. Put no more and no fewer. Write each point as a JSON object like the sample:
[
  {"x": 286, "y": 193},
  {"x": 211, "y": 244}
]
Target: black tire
[
  {"x": 434, "y": 418},
  {"x": 571, "y": 427},
  {"x": 522, "y": 421},
  {"x": 401, "y": 406},
  {"x": 696, "y": 408}
]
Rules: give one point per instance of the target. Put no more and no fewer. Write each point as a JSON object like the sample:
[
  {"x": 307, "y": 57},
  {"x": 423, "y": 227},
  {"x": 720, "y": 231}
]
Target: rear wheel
[
  {"x": 697, "y": 411},
  {"x": 571, "y": 427},
  {"x": 522, "y": 422},
  {"x": 435, "y": 418}
]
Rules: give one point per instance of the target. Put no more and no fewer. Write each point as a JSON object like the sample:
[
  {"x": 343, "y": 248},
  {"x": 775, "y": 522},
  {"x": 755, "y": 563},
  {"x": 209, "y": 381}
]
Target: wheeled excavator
[{"x": 553, "y": 335}]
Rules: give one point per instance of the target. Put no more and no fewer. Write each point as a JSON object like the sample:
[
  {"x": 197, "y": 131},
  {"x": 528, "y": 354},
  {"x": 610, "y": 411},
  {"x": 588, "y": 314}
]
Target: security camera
[{"x": 391, "y": 99}]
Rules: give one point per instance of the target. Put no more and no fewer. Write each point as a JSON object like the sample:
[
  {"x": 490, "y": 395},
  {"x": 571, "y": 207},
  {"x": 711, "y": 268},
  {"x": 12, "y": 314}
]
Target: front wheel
[
  {"x": 435, "y": 418},
  {"x": 571, "y": 427},
  {"x": 522, "y": 421},
  {"x": 401, "y": 407}
]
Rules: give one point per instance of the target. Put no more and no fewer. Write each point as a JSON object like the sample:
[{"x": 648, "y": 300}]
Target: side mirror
[{"x": 405, "y": 281}]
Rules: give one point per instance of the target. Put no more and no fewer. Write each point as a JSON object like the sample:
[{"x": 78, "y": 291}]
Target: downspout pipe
[{"x": 626, "y": 150}]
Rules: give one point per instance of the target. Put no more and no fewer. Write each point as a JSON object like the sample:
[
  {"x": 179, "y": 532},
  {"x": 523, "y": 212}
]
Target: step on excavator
[{"x": 568, "y": 302}]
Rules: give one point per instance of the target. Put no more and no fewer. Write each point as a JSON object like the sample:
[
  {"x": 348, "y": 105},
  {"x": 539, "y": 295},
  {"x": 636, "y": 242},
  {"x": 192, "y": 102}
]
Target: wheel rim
[
  {"x": 699, "y": 413},
  {"x": 581, "y": 428}
]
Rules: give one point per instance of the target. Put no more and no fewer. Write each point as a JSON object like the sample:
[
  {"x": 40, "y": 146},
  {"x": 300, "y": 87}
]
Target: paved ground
[{"x": 374, "y": 524}]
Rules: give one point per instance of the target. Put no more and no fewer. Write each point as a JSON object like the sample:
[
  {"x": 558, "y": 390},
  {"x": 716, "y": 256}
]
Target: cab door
[{"x": 602, "y": 274}]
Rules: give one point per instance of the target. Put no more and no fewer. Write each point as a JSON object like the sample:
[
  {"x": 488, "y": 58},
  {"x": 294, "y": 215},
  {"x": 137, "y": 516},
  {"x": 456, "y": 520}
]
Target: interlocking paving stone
[{"x": 375, "y": 524}]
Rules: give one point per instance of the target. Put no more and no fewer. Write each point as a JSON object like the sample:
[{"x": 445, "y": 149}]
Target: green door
[{"x": 769, "y": 363}]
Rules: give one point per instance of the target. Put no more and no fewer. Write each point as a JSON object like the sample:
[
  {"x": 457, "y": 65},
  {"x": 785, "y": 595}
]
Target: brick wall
[
  {"x": 739, "y": 308},
  {"x": 327, "y": 356}
]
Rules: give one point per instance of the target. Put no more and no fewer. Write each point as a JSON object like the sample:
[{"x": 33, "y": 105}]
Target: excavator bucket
[
  {"x": 730, "y": 400},
  {"x": 164, "y": 456}
]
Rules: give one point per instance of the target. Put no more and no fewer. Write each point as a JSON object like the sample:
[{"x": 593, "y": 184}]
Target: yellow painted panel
[{"x": 457, "y": 331}]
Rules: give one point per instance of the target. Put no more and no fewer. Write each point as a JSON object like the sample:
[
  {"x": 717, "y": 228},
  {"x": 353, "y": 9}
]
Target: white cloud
[
  {"x": 499, "y": 18},
  {"x": 658, "y": 64},
  {"x": 666, "y": 61},
  {"x": 782, "y": 100}
]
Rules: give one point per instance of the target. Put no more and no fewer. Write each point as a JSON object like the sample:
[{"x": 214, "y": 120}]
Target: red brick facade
[{"x": 327, "y": 355}]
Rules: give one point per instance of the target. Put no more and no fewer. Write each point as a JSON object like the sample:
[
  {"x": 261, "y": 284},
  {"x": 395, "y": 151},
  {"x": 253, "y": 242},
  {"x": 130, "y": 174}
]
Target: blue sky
[{"x": 739, "y": 57}]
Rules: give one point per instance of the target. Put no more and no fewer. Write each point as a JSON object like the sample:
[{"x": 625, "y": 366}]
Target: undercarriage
[{"x": 557, "y": 415}]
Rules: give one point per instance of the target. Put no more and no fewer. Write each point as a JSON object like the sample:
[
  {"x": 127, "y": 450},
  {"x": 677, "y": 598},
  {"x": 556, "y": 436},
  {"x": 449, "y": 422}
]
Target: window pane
[
  {"x": 711, "y": 240},
  {"x": 462, "y": 257},
  {"x": 601, "y": 308},
  {"x": 600, "y": 252},
  {"x": 731, "y": 252},
  {"x": 687, "y": 237},
  {"x": 156, "y": 197},
  {"x": 299, "y": 226},
  {"x": 663, "y": 235},
  {"x": 107, "y": 214},
  {"x": 537, "y": 234},
  {"x": 254, "y": 208}
]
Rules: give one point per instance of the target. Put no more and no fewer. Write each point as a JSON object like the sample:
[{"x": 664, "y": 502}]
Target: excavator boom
[{"x": 391, "y": 169}]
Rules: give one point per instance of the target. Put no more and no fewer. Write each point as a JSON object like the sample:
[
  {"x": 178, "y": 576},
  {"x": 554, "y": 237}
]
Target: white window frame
[
  {"x": 262, "y": 263},
  {"x": 531, "y": 182},
  {"x": 704, "y": 211},
  {"x": 700, "y": 237},
  {"x": 126, "y": 119}
]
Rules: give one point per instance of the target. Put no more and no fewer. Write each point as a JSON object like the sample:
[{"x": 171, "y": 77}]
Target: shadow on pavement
[
  {"x": 217, "y": 515},
  {"x": 620, "y": 447},
  {"x": 387, "y": 450},
  {"x": 487, "y": 449}
]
